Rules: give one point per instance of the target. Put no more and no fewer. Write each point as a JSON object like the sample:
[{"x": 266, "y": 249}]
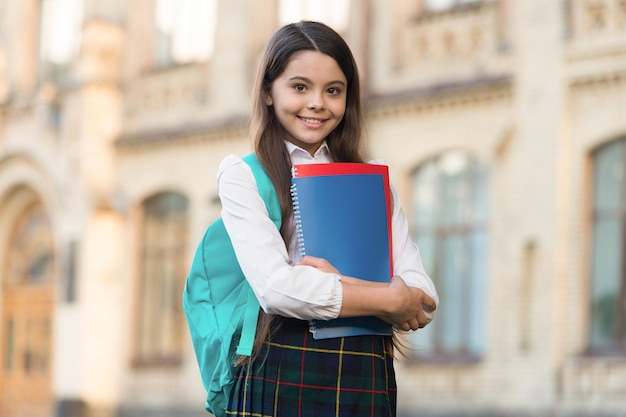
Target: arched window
[
  {"x": 608, "y": 266},
  {"x": 27, "y": 307},
  {"x": 30, "y": 257},
  {"x": 450, "y": 226},
  {"x": 163, "y": 270}
]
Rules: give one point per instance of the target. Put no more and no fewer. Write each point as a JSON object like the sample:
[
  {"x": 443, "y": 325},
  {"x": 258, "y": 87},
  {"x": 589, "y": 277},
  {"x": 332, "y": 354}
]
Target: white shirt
[{"x": 300, "y": 292}]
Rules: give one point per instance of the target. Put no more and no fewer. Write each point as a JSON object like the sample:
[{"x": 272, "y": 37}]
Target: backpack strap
[
  {"x": 266, "y": 188},
  {"x": 270, "y": 198}
]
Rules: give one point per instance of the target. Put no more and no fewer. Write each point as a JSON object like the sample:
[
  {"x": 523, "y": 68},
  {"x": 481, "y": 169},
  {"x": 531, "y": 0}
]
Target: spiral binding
[
  {"x": 297, "y": 219},
  {"x": 299, "y": 235}
]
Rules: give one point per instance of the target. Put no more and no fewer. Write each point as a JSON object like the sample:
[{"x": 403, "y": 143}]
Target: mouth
[{"x": 311, "y": 121}]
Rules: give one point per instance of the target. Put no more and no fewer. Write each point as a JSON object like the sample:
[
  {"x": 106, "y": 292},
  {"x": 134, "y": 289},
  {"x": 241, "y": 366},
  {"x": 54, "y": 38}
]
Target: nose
[{"x": 316, "y": 101}]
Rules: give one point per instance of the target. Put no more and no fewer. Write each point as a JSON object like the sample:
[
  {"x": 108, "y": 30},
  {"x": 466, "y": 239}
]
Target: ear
[{"x": 267, "y": 98}]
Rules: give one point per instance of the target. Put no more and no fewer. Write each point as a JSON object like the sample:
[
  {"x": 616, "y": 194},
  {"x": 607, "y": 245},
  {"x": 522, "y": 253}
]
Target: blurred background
[{"x": 504, "y": 124}]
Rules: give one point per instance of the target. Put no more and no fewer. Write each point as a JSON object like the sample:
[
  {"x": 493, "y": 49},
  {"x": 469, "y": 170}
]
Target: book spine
[{"x": 299, "y": 235}]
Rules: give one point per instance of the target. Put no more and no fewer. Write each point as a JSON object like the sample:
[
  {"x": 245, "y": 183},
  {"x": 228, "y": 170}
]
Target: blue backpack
[{"x": 220, "y": 306}]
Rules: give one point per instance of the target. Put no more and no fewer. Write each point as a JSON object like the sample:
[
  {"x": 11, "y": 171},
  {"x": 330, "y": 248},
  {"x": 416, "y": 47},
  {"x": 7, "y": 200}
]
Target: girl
[{"x": 307, "y": 109}]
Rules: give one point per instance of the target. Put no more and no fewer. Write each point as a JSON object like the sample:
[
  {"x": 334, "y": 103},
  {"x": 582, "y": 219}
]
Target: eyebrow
[{"x": 305, "y": 79}]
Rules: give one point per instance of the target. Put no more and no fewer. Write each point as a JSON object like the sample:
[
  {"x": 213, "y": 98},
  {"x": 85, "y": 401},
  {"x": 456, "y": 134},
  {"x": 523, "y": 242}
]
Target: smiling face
[{"x": 309, "y": 98}]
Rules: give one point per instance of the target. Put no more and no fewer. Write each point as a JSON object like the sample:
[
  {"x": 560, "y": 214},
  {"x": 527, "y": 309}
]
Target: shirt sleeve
[
  {"x": 281, "y": 288},
  {"x": 407, "y": 261}
]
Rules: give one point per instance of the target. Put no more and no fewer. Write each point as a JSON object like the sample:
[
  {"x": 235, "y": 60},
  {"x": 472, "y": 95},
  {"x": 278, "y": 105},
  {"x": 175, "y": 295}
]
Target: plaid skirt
[{"x": 298, "y": 376}]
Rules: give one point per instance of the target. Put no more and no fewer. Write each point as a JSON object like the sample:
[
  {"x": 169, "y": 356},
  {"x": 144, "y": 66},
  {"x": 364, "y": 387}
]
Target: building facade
[{"x": 504, "y": 125}]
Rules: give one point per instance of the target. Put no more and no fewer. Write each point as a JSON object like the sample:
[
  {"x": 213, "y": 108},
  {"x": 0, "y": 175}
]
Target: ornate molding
[
  {"x": 231, "y": 127},
  {"x": 598, "y": 79},
  {"x": 442, "y": 95}
]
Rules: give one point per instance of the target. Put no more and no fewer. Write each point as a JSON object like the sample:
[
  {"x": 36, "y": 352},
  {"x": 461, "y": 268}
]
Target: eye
[
  {"x": 333, "y": 91},
  {"x": 299, "y": 87}
]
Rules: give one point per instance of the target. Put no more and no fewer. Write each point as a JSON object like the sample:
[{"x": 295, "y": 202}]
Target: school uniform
[
  {"x": 300, "y": 376},
  {"x": 296, "y": 375}
]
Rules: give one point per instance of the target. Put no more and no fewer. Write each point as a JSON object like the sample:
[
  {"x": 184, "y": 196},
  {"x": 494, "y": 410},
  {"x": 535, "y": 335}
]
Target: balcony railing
[
  {"x": 589, "y": 20},
  {"x": 595, "y": 35},
  {"x": 464, "y": 42},
  {"x": 154, "y": 97}
]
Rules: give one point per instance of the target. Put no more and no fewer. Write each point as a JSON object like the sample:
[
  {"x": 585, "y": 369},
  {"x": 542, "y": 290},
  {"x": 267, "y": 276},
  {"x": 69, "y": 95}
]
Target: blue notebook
[{"x": 343, "y": 214}]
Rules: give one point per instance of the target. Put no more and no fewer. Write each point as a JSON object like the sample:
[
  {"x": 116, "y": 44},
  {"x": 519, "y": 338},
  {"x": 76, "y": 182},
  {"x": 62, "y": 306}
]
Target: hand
[
  {"x": 412, "y": 307},
  {"x": 318, "y": 263}
]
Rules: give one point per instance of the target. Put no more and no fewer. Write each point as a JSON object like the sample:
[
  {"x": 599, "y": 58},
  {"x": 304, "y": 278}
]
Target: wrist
[{"x": 388, "y": 300}]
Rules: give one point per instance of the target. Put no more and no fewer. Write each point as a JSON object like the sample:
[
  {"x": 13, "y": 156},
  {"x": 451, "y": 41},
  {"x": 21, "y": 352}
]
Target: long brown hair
[{"x": 344, "y": 142}]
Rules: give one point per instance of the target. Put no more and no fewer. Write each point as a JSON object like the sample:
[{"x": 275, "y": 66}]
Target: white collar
[{"x": 292, "y": 148}]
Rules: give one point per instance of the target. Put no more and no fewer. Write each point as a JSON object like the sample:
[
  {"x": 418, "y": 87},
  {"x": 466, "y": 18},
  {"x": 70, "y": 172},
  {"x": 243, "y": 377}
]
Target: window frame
[
  {"x": 165, "y": 34},
  {"x": 470, "y": 347},
  {"x": 171, "y": 352},
  {"x": 617, "y": 346},
  {"x": 49, "y": 67}
]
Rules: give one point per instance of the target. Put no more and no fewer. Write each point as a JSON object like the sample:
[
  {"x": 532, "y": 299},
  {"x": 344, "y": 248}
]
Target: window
[
  {"x": 185, "y": 31},
  {"x": 440, "y": 5},
  {"x": 31, "y": 256},
  {"x": 608, "y": 270},
  {"x": 162, "y": 275},
  {"x": 449, "y": 216},
  {"x": 27, "y": 299},
  {"x": 60, "y": 36},
  {"x": 334, "y": 13}
]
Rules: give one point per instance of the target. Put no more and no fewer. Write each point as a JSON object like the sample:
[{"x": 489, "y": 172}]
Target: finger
[
  {"x": 312, "y": 261},
  {"x": 424, "y": 317},
  {"x": 429, "y": 303},
  {"x": 414, "y": 324},
  {"x": 429, "y": 316}
]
